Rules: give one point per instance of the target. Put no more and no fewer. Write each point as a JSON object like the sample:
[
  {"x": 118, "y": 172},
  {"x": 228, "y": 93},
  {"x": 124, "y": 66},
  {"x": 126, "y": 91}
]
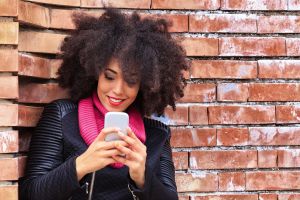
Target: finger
[
  {"x": 111, "y": 144},
  {"x": 130, "y": 155},
  {"x": 101, "y": 136},
  {"x": 109, "y": 153},
  {"x": 131, "y": 134},
  {"x": 121, "y": 159}
]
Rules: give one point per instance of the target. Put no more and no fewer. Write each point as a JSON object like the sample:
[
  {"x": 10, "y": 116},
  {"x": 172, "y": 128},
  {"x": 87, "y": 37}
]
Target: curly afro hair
[{"x": 143, "y": 47}]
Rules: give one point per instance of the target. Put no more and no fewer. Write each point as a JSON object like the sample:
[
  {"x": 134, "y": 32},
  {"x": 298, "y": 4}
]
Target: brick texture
[{"x": 235, "y": 133}]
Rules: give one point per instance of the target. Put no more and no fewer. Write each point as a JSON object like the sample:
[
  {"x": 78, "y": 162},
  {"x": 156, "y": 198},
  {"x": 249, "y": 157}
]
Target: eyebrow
[{"x": 111, "y": 70}]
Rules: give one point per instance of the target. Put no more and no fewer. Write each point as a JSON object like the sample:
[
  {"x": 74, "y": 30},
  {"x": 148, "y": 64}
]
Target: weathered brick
[
  {"x": 267, "y": 196},
  {"x": 34, "y": 66},
  {"x": 9, "y": 192},
  {"x": 9, "y": 60},
  {"x": 273, "y": 180},
  {"x": 9, "y": 87},
  {"x": 188, "y": 4},
  {"x": 8, "y": 114},
  {"x": 180, "y": 160},
  {"x": 293, "y": 5},
  {"x": 223, "y": 23},
  {"x": 55, "y": 65},
  {"x": 289, "y": 158},
  {"x": 232, "y": 181},
  {"x": 9, "y": 141},
  {"x": 274, "y": 136},
  {"x": 232, "y": 136},
  {"x": 29, "y": 115},
  {"x": 267, "y": 158},
  {"x": 252, "y": 46},
  {"x": 179, "y": 117},
  {"x": 116, "y": 3},
  {"x": 254, "y": 5},
  {"x": 33, "y": 14},
  {"x": 227, "y": 197},
  {"x": 292, "y": 46},
  {"x": 41, "y": 93},
  {"x": 208, "y": 159},
  {"x": 9, "y": 32},
  {"x": 198, "y": 114},
  {"x": 40, "y": 42},
  {"x": 287, "y": 114},
  {"x": 186, "y": 137},
  {"x": 288, "y": 196},
  {"x": 197, "y": 182},
  {"x": 223, "y": 69},
  {"x": 203, "y": 92},
  {"x": 278, "y": 24},
  {"x": 274, "y": 92},
  {"x": 9, "y": 169},
  {"x": 272, "y": 69},
  {"x": 59, "y": 2},
  {"x": 9, "y": 8},
  {"x": 233, "y": 91},
  {"x": 200, "y": 46},
  {"x": 241, "y": 114}
]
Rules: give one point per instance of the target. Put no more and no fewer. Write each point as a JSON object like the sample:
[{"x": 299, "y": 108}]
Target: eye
[{"x": 108, "y": 77}]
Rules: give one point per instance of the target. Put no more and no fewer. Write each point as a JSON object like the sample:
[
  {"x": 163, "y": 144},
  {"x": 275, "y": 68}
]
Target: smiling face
[{"x": 113, "y": 92}]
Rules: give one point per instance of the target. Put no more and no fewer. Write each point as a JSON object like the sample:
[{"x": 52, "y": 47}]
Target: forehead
[{"x": 114, "y": 65}]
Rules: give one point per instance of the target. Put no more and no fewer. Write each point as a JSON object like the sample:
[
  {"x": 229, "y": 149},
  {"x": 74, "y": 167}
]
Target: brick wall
[{"x": 235, "y": 133}]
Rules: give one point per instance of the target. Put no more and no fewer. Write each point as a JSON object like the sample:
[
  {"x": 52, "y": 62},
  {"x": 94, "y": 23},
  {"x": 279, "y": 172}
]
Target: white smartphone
[{"x": 116, "y": 120}]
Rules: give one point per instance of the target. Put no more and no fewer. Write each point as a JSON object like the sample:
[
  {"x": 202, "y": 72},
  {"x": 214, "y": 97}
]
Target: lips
[{"x": 115, "y": 101}]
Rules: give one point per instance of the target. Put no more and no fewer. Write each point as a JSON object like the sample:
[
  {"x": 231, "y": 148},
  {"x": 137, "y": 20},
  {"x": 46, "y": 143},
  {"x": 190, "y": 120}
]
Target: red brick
[
  {"x": 29, "y": 115},
  {"x": 203, "y": 92},
  {"x": 232, "y": 136},
  {"x": 233, "y": 69},
  {"x": 274, "y": 92},
  {"x": 288, "y": 196},
  {"x": 9, "y": 8},
  {"x": 274, "y": 136},
  {"x": 288, "y": 114},
  {"x": 232, "y": 181},
  {"x": 273, "y": 180},
  {"x": 289, "y": 158},
  {"x": 8, "y": 114},
  {"x": 41, "y": 93},
  {"x": 198, "y": 115},
  {"x": 55, "y": 65},
  {"x": 9, "y": 169},
  {"x": 237, "y": 159},
  {"x": 9, "y": 60},
  {"x": 200, "y": 46},
  {"x": 278, "y": 24},
  {"x": 292, "y": 46},
  {"x": 180, "y": 160},
  {"x": 9, "y": 87},
  {"x": 293, "y": 5},
  {"x": 188, "y": 4},
  {"x": 40, "y": 42},
  {"x": 223, "y": 23},
  {"x": 34, "y": 66},
  {"x": 287, "y": 69},
  {"x": 9, "y": 192},
  {"x": 181, "y": 197},
  {"x": 186, "y": 137},
  {"x": 21, "y": 165},
  {"x": 33, "y": 14},
  {"x": 252, "y": 46},
  {"x": 267, "y": 158},
  {"x": 197, "y": 182},
  {"x": 178, "y": 117},
  {"x": 254, "y": 5},
  {"x": 227, "y": 197},
  {"x": 9, "y": 141},
  {"x": 233, "y": 91},
  {"x": 9, "y": 32},
  {"x": 24, "y": 141},
  {"x": 241, "y": 114},
  {"x": 116, "y": 3},
  {"x": 267, "y": 196},
  {"x": 59, "y": 2}
]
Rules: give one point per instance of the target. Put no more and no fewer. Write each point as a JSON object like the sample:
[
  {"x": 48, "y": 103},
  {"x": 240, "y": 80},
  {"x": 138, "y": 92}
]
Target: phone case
[{"x": 117, "y": 120}]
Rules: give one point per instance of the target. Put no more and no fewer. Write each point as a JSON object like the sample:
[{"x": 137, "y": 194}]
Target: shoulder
[
  {"x": 62, "y": 106},
  {"x": 155, "y": 124}
]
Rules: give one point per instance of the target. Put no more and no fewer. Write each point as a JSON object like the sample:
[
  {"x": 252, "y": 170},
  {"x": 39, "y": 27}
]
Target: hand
[
  {"x": 135, "y": 157},
  {"x": 99, "y": 154}
]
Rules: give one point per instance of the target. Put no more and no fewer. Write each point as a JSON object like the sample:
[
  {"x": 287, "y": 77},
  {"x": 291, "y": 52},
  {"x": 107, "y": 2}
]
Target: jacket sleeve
[
  {"x": 158, "y": 187},
  {"x": 47, "y": 175}
]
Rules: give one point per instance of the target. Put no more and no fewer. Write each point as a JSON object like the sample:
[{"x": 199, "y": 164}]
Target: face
[{"x": 114, "y": 93}]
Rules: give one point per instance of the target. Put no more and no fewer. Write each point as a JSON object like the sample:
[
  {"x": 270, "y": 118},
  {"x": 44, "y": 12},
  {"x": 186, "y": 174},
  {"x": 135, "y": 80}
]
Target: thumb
[{"x": 105, "y": 131}]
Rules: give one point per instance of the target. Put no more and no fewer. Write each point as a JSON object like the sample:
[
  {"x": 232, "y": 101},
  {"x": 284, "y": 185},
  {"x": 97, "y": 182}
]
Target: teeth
[{"x": 115, "y": 100}]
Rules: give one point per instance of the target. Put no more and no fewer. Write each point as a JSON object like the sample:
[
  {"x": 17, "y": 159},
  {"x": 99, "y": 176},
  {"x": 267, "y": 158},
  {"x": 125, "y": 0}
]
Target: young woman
[{"x": 116, "y": 62}]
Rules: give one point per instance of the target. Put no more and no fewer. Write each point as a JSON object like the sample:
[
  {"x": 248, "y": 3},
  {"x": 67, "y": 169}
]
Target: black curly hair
[{"x": 143, "y": 47}]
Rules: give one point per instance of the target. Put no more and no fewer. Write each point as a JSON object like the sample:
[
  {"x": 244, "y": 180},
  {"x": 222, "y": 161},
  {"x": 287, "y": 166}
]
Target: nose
[{"x": 119, "y": 87}]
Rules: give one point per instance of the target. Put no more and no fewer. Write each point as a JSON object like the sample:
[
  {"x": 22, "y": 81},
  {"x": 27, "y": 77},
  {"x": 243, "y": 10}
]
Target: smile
[{"x": 114, "y": 101}]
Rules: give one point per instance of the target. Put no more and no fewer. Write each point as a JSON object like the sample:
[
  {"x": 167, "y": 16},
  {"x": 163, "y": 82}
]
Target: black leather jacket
[{"x": 51, "y": 172}]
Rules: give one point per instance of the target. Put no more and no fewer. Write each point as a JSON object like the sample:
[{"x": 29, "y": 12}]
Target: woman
[{"x": 116, "y": 62}]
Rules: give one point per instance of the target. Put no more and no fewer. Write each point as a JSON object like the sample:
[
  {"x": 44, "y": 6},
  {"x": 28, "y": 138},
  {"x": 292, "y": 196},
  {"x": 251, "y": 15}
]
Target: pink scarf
[{"x": 91, "y": 114}]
